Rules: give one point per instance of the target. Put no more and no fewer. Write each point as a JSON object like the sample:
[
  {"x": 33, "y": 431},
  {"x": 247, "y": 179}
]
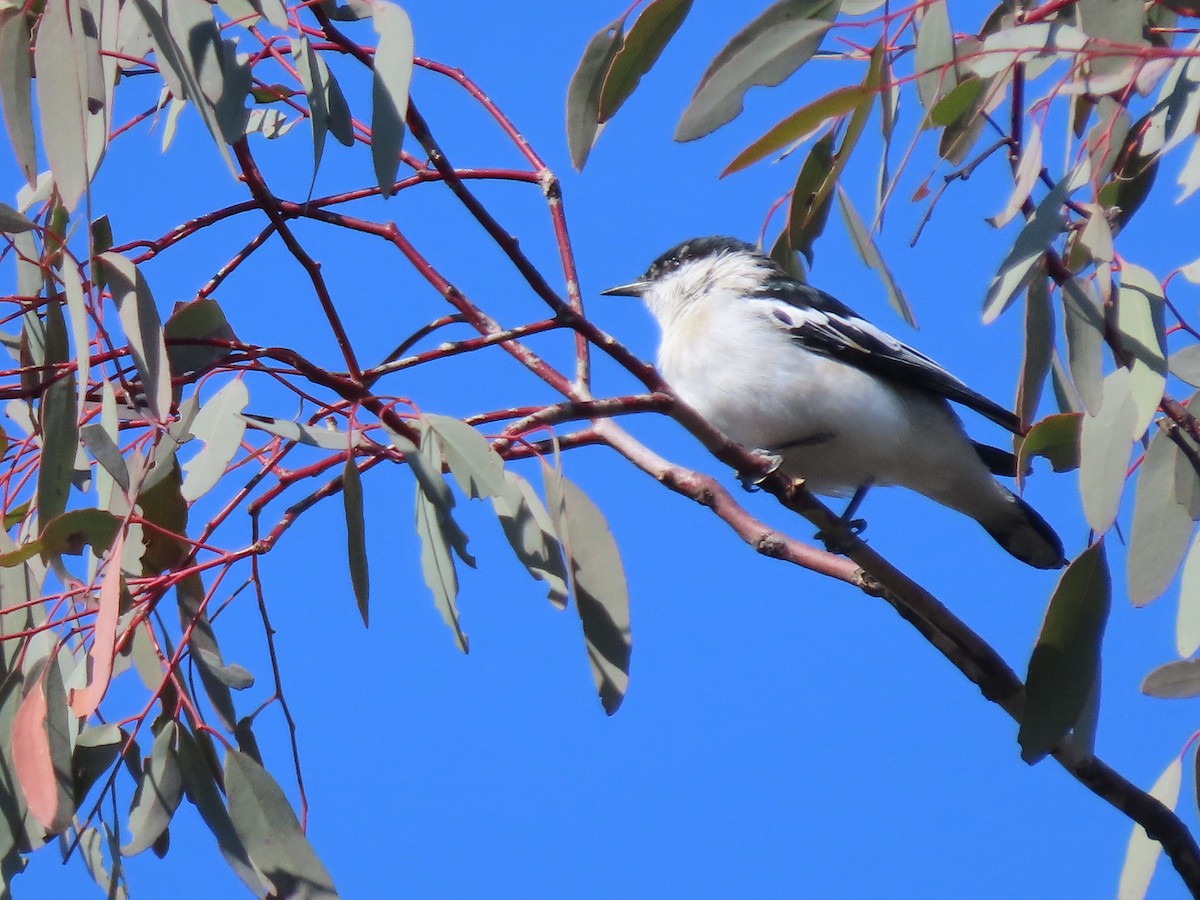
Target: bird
[{"x": 785, "y": 369}]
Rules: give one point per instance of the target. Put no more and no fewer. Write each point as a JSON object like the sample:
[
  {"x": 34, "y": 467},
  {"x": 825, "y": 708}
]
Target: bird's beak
[{"x": 633, "y": 289}]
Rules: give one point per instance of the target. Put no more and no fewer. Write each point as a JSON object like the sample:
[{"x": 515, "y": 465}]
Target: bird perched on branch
[{"x": 780, "y": 366}]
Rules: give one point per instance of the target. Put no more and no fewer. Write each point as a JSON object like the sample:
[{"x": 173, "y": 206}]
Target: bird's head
[{"x": 696, "y": 270}]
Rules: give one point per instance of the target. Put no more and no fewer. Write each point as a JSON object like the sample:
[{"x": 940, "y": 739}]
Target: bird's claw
[
  {"x": 751, "y": 482},
  {"x": 840, "y": 539}
]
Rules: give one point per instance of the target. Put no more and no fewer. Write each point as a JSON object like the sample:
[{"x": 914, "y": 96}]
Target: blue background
[{"x": 783, "y": 735}]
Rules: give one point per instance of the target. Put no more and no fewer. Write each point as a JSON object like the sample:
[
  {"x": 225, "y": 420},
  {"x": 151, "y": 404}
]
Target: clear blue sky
[{"x": 783, "y": 735}]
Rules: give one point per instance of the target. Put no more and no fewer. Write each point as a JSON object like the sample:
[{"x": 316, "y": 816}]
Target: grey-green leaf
[
  {"x": 1187, "y": 623},
  {"x": 271, "y": 833},
  {"x": 1162, "y": 526},
  {"x": 1184, "y": 364},
  {"x": 158, "y": 793},
  {"x": 1031, "y": 244},
  {"x": 220, "y": 426},
  {"x": 598, "y": 584},
  {"x": 476, "y": 467},
  {"x": 437, "y": 531},
  {"x": 189, "y": 593},
  {"x": 1039, "y": 347},
  {"x": 1064, "y": 667},
  {"x": 1104, "y": 444},
  {"x": 648, "y": 35},
  {"x": 389, "y": 91},
  {"x": 1140, "y": 320},
  {"x": 772, "y": 47},
  {"x": 188, "y": 327},
  {"x": 1084, "y": 326},
  {"x": 583, "y": 93},
  {"x": 1142, "y": 852},
  {"x": 869, "y": 253},
  {"x": 356, "y": 537},
  {"x": 202, "y": 791},
  {"x": 314, "y": 436},
  {"x": 143, "y": 329},
  {"x": 934, "y": 55},
  {"x": 530, "y": 531},
  {"x": 1174, "y": 680},
  {"x": 16, "y": 74}
]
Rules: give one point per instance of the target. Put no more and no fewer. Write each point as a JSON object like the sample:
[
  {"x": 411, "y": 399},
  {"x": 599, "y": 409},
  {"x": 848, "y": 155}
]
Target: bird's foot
[
  {"x": 840, "y": 539},
  {"x": 752, "y": 482}
]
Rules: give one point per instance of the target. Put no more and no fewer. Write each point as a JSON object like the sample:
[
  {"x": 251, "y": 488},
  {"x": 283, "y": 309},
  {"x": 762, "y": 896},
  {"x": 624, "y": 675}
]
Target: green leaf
[
  {"x": 143, "y": 329},
  {"x": 869, "y": 253},
  {"x": 1025, "y": 178},
  {"x": 199, "y": 67},
  {"x": 16, "y": 83},
  {"x": 437, "y": 530},
  {"x": 1084, "y": 326},
  {"x": 313, "y": 435},
  {"x": 583, "y": 93},
  {"x": 188, "y": 327},
  {"x": 1187, "y": 623},
  {"x": 1104, "y": 444},
  {"x": 95, "y": 751},
  {"x": 1039, "y": 347},
  {"x": 803, "y": 121},
  {"x": 158, "y": 793},
  {"x": 1032, "y": 242},
  {"x": 239, "y": 678},
  {"x": 105, "y": 451},
  {"x": 1162, "y": 526},
  {"x": 1065, "y": 664},
  {"x": 772, "y": 47},
  {"x": 202, "y": 791},
  {"x": 956, "y": 103},
  {"x": 327, "y": 106},
  {"x": 1184, "y": 364},
  {"x": 202, "y": 640},
  {"x": 476, "y": 467},
  {"x": 809, "y": 210},
  {"x": 389, "y": 91},
  {"x": 356, "y": 537},
  {"x": 644, "y": 43},
  {"x": 13, "y": 222},
  {"x": 71, "y": 531},
  {"x": 1056, "y": 438},
  {"x": 162, "y": 504},
  {"x": 530, "y": 531},
  {"x": 1173, "y": 117},
  {"x": 1173, "y": 681},
  {"x": 597, "y": 581},
  {"x": 59, "y": 425},
  {"x": 1142, "y": 852},
  {"x": 934, "y": 56},
  {"x": 1140, "y": 321},
  {"x": 70, "y": 92},
  {"x": 271, "y": 833},
  {"x": 220, "y": 426}
]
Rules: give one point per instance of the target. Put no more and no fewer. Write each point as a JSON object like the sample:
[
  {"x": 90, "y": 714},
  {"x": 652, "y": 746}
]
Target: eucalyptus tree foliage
[
  {"x": 1118, "y": 86},
  {"x": 143, "y": 446}
]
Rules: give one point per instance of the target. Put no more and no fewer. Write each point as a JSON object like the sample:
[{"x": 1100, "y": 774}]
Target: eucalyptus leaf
[
  {"x": 1142, "y": 852},
  {"x": 1064, "y": 667},
  {"x": 598, "y": 585},
  {"x": 773, "y": 46},
  {"x": 389, "y": 91},
  {"x": 269, "y": 830},
  {"x": 1104, "y": 443}
]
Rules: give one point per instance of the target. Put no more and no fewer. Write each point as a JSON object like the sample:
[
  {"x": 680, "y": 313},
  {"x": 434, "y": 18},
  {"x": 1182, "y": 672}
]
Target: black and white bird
[{"x": 778, "y": 365}]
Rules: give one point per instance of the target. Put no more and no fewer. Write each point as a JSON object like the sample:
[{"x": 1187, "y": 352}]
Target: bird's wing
[{"x": 825, "y": 325}]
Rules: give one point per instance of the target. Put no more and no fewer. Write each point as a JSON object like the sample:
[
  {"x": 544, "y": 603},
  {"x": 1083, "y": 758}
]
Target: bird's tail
[{"x": 1018, "y": 528}]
